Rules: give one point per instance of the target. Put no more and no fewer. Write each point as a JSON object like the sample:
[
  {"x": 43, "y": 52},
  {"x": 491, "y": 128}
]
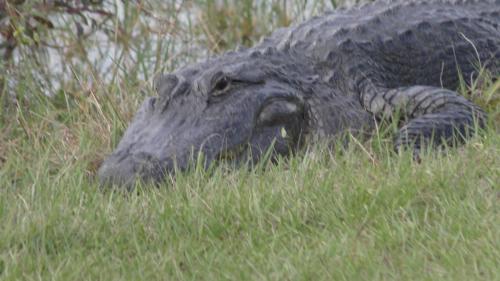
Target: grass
[
  {"x": 315, "y": 216},
  {"x": 360, "y": 213}
]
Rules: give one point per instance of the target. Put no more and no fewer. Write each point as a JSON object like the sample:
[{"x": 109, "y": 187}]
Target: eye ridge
[{"x": 224, "y": 83}]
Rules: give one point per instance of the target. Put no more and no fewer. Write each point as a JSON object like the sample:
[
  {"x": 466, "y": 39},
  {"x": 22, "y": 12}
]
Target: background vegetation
[{"x": 72, "y": 75}]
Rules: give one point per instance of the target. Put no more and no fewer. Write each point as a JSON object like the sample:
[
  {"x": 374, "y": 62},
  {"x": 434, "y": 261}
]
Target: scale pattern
[
  {"x": 405, "y": 57},
  {"x": 333, "y": 74}
]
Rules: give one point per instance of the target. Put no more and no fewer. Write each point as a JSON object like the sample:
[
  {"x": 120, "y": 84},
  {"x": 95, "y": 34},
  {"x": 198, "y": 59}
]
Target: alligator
[{"x": 334, "y": 74}]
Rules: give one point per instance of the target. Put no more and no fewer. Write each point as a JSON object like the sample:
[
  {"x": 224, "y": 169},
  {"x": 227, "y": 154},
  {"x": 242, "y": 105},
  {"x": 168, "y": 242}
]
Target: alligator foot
[
  {"x": 438, "y": 129},
  {"x": 431, "y": 116}
]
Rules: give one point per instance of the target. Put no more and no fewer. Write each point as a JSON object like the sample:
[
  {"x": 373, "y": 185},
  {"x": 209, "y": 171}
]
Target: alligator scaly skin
[
  {"x": 404, "y": 56},
  {"x": 329, "y": 75}
]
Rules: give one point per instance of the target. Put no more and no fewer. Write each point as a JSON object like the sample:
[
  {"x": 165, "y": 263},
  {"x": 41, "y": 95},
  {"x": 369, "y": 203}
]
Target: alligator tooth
[{"x": 283, "y": 132}]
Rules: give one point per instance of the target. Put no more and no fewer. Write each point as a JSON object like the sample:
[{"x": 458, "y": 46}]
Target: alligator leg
[{"x": 433, "y": 116}]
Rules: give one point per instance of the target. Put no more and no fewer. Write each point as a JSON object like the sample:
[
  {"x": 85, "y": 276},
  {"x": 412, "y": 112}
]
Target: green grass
[
  {"x": 320, "y": 216},
  {"x": 359, "y": 213}
]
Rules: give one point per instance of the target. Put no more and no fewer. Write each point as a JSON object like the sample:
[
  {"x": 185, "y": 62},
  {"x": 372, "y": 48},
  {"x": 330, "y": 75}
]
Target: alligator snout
[{"x": 125, "y": 170}]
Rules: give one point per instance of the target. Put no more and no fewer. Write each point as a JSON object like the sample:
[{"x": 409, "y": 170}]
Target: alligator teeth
[{"x": 283, "y": 132}]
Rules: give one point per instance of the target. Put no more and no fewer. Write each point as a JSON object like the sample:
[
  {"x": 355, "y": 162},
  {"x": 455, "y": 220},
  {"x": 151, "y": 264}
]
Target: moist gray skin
[{"x": 333, "y": 74}]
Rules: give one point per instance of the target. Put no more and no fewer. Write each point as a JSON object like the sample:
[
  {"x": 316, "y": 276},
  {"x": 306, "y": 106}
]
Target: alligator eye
[{"x": 221, "y": 85}]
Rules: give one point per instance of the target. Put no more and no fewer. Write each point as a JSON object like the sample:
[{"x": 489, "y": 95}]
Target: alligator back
[{"x": 400, "y": 43}]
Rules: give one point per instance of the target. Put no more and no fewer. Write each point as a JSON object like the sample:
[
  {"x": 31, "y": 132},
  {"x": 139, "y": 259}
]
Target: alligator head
[{"x": 236, "y": 107}]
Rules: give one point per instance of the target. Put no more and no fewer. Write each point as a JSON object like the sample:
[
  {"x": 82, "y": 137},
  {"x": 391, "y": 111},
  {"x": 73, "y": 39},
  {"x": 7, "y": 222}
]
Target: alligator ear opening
[{"x": 279, "y": 112}]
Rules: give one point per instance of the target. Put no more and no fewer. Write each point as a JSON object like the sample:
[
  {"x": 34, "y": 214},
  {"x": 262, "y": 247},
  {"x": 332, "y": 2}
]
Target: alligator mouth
[
  {"x": 244, "y": 155},
  {"x": 250, "y": 153},
  {"x": 231, "y": 155}
]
